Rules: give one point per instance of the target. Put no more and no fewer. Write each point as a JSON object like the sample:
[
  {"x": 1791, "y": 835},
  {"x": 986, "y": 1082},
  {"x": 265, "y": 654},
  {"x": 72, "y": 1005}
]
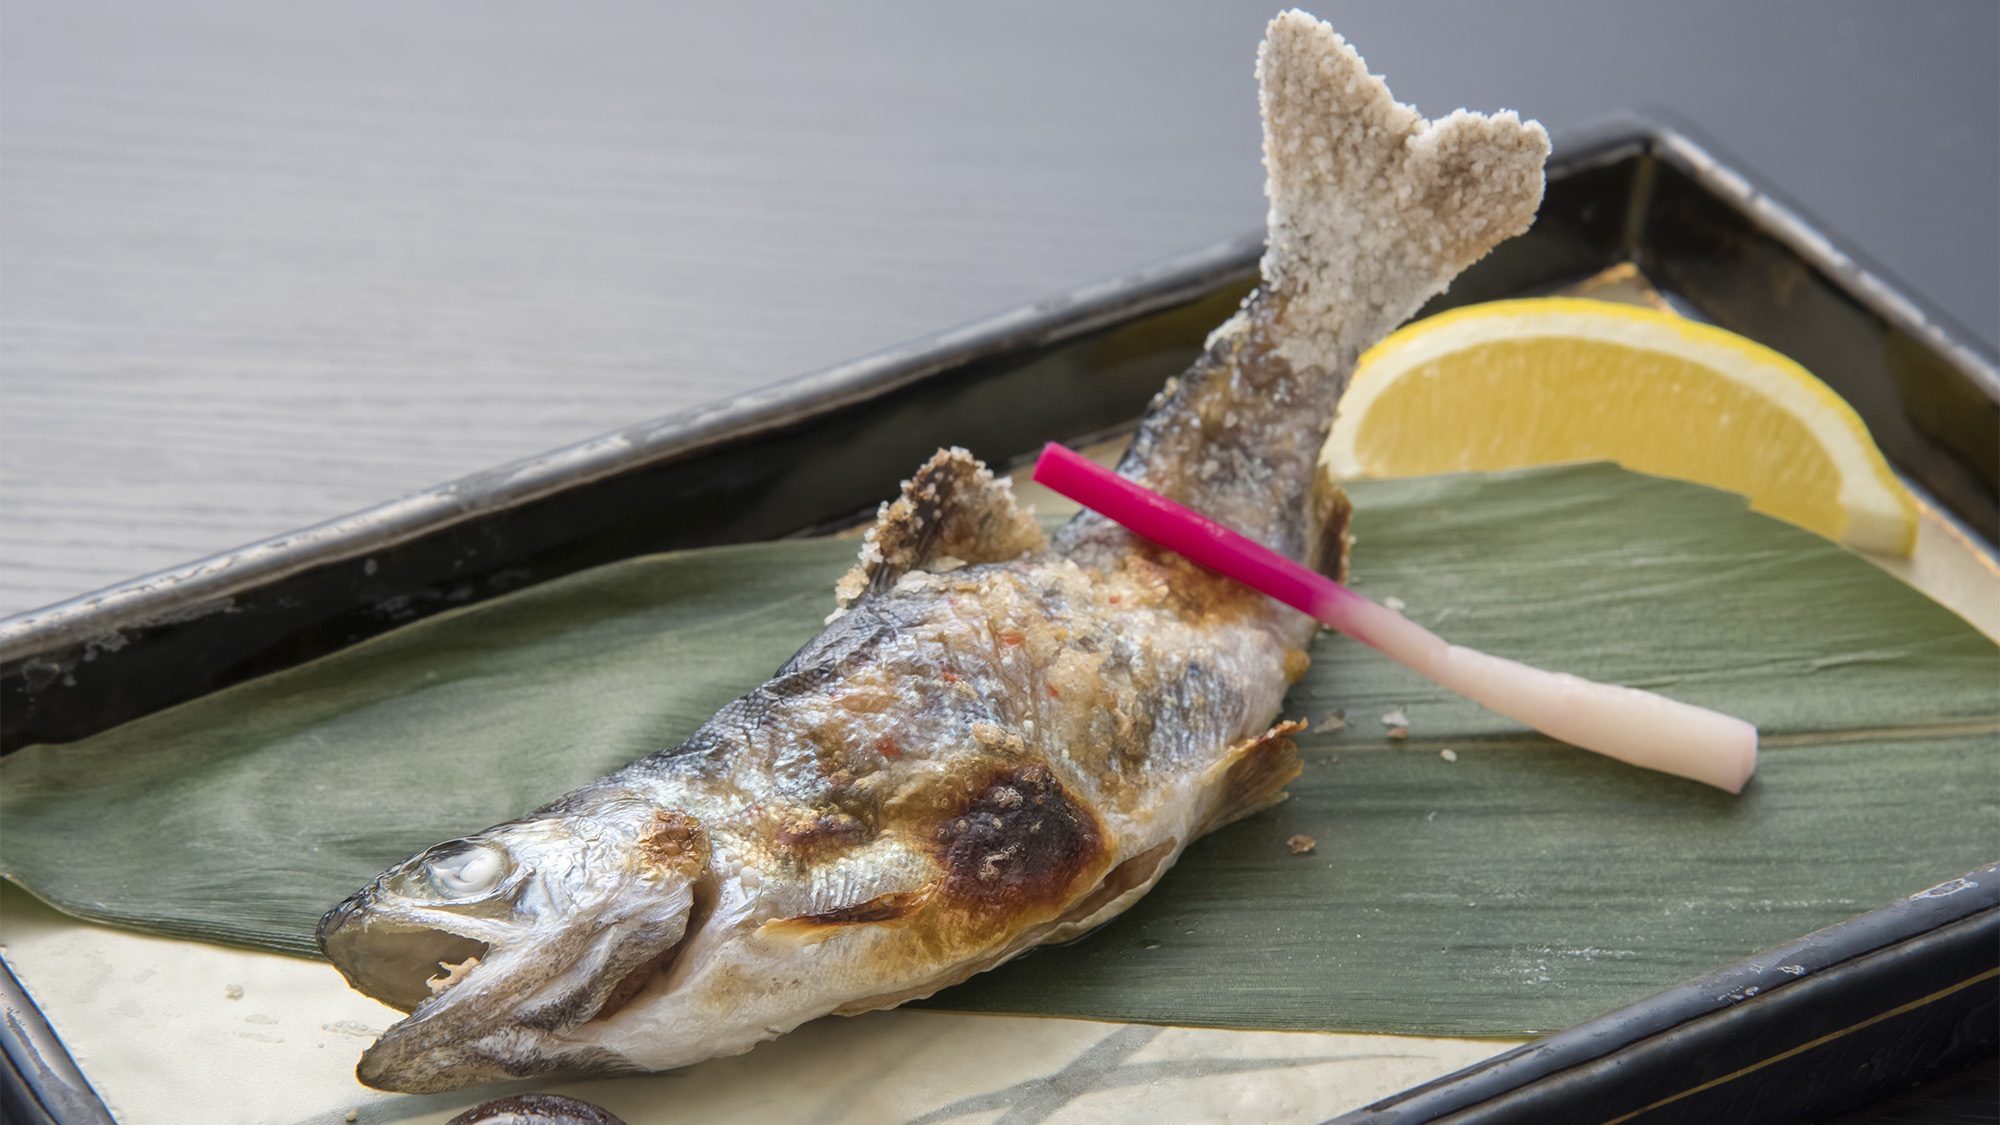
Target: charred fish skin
[{"x": 998, "y": 740}]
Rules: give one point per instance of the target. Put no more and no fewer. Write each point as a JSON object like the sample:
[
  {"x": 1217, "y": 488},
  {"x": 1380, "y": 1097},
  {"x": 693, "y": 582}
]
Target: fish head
[{"x": 500, "y": 943}]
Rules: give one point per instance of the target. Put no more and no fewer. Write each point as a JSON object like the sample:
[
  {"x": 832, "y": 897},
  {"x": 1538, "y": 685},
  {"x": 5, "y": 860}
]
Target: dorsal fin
[{"x": 953, "y": 512}]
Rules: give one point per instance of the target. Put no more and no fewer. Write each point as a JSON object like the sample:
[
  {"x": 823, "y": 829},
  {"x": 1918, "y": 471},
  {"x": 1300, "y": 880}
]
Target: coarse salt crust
[{"x": 1373, "y": 208}]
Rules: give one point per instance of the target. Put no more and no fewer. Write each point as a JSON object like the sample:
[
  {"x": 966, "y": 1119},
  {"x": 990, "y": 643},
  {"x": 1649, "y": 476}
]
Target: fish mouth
[
  {"x": 480, "y": 1011},
  {"x": 401, "y": 965},
  {"x": 463, "y": 998}
]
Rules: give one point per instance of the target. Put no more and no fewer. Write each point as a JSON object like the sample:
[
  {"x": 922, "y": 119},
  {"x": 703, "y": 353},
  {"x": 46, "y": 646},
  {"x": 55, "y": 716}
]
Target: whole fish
[{"x": 999, "y": 740}]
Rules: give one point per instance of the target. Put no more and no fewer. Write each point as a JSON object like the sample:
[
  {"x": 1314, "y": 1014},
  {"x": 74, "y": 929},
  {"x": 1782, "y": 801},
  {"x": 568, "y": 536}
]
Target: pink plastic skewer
[{"x": 1625, "y": 723}]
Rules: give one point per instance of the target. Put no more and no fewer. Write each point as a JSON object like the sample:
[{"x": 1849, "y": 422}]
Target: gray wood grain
[{"x": 261, "y": 265}]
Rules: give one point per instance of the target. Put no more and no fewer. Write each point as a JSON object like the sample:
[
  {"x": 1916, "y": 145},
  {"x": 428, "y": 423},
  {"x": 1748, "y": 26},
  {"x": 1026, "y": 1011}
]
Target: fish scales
[{"x": 1000, "y": 739}]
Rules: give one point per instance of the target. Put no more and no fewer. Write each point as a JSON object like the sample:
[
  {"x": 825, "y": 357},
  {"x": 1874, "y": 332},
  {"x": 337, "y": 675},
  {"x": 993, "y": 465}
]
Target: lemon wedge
[{"x": 1548, "y": 380}]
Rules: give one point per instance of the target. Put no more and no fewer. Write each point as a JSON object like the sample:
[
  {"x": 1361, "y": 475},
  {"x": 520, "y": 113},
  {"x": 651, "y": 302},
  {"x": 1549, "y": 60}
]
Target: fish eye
[{"x": 460, "y": 870}]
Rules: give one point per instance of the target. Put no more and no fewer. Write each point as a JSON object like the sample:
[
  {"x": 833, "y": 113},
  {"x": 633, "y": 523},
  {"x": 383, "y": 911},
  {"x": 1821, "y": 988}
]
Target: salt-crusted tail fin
[{"x": 1373, "y": 210}]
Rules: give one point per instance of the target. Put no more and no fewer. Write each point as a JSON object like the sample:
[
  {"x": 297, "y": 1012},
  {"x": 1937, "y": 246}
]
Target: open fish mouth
[
  {"x": 401, "y": 966},
  {"x": 421, "y": 926},
  {"x": 481, "y": 1010}
]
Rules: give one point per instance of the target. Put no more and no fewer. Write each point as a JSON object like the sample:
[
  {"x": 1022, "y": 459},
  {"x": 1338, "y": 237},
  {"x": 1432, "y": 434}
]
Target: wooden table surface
[{"x": 265, "y": 264}]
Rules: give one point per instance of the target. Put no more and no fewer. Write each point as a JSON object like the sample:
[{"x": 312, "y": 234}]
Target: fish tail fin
[{"x": 1373, "y": 211}]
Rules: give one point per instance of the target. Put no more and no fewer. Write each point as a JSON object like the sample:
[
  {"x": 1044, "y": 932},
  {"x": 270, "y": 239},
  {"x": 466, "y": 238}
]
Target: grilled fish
[{"x": 1000, "y": 739}]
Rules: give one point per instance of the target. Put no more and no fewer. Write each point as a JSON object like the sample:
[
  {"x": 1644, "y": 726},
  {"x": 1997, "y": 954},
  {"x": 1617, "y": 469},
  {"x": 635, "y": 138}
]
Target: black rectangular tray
[{"x": 819, "y": 452}]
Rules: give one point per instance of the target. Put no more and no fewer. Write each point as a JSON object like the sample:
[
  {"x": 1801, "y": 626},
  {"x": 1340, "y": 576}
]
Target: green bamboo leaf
[
  {"x": 1520, "y": 887},
  {"x": 242, "y": 816}
]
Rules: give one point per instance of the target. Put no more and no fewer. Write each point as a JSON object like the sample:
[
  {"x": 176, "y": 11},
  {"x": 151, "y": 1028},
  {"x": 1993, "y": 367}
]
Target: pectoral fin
[{"x": 881, "y": 908}]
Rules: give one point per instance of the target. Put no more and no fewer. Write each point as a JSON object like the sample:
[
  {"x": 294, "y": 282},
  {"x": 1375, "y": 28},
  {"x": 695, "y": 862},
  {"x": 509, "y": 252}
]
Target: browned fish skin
[{"x": 997, "y": 741}]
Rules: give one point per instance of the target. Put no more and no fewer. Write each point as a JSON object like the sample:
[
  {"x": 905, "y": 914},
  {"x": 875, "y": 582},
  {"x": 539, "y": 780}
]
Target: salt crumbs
[{"x": 1398, "y": 724}]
